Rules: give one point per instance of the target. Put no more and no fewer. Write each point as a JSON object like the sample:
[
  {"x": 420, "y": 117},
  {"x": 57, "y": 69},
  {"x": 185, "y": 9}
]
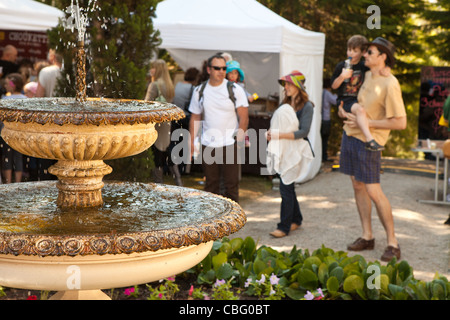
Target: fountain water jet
[{"x": 70, "y": 240}]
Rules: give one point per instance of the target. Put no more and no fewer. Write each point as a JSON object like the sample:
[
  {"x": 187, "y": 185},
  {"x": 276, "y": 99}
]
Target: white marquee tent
[
  {"x": 267, "y": 46},
  {"x": 27, "y": 15}
]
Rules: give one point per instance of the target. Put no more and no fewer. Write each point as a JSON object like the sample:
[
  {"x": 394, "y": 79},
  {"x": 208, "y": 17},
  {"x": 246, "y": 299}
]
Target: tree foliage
[
  {"x": 437, "y": 29},
  {"x": 120, "y": 41}
]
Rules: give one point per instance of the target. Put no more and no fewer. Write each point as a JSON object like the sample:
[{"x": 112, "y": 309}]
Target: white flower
[
  {"x": 274, "y": 279},
  {"x": 262, "y": 280},
  {"x": 309, "y": 295},
  {"x": 219, "y": 283},
  {"x": 320, "y": 292}
]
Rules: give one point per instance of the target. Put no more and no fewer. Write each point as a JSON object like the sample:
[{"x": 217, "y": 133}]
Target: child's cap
[
  {"x": 234, "y": 65},
  {"x": 296, "y": 78}
]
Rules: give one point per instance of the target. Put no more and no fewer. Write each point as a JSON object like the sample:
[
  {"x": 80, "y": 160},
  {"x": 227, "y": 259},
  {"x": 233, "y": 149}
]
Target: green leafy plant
[
  {"x": 198, "y": 294},
  {"x": 300, "y": 274},
  {"x": 165, "y": 291},
  {"x": 223, "y": 290},
  {"x": 265, "y": 289}
]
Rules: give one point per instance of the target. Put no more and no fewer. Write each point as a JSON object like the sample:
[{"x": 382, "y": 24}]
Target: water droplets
[{"x": 77, "y": 19}]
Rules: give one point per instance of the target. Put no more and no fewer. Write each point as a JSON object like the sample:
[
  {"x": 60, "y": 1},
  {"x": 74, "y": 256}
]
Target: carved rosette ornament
[
  {"x": 99, "y": 129},
  {"x": 41, "y": 245}
]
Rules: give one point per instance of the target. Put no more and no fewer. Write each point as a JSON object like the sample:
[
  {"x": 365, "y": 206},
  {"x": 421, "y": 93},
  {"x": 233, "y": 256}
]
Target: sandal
[
  {"x": 278, "y": 234},
  {"x": 372, "y": 145}
]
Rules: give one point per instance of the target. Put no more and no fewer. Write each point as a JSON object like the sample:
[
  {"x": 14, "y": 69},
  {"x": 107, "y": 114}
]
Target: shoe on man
[
  {"x": 361, "y": 244},
  {"x": 278, "y": 234},
  {"x": 294, "y": 226},
  {"x": 390, "y": 252}
]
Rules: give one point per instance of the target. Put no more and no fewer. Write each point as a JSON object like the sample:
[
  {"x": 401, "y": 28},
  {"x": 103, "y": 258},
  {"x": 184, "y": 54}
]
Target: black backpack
[{"x": 230, "y": 86}]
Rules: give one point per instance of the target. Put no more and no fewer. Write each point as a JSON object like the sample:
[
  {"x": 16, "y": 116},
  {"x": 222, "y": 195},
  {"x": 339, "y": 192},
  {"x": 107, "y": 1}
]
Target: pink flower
[
  {"x": 171, "y": 278},
  {"x": 191, "y": 290},
  {"x": 129, "y": 291},
  {"x": 160, "y": 295}
]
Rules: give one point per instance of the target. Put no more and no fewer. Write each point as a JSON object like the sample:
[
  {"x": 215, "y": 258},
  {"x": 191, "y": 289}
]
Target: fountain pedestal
[{"x": 80, "y": 183}]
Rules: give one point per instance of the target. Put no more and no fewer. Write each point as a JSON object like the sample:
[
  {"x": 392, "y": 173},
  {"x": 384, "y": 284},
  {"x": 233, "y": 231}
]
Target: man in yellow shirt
[{"x": 382, "y": 100}]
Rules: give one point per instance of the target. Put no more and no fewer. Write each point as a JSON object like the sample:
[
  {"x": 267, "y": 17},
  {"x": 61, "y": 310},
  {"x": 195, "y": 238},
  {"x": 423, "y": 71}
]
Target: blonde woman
[{"x": 161, "y": 89}]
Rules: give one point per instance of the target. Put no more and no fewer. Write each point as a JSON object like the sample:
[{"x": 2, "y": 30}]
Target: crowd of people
[
  {"x": 22, "y": 80},
  {"x": 215, "y": 102}
]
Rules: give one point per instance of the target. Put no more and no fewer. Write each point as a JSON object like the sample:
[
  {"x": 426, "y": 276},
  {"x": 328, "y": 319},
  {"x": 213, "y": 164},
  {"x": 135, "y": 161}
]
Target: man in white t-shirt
[
  {"x": 224, "y": 124},
  {"x": 48, "y": 77}
]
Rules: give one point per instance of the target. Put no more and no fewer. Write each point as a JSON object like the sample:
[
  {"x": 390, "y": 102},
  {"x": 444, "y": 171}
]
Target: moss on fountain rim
[{"x": 95, "y": 111}]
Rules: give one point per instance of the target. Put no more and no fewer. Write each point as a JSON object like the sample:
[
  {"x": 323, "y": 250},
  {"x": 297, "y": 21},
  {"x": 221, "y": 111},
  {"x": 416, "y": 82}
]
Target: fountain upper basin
[
  {"x": 98, "y": 129},
  {"x": 80, "y": 135}
]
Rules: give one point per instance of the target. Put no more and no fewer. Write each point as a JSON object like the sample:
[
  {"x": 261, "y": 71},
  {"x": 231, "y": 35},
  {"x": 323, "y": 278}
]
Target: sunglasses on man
[
  {"x": 370, "y": 52},
  {"x": 219, "y": 68}
]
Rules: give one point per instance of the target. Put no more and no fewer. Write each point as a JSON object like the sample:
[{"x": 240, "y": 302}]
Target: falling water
[
  {"x": 78, "y": 20},
  {"x": 81, "y": 73}
]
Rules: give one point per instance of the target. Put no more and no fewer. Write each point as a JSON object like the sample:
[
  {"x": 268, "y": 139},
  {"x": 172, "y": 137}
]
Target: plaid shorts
[{"x": 357, "y": 161}]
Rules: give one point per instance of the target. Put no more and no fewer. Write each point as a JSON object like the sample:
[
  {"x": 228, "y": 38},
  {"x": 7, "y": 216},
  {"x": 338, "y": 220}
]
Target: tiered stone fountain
[{"x": 69, "y": 236}]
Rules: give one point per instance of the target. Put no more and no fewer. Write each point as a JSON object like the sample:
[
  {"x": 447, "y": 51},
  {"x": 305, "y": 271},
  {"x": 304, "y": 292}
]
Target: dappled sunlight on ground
[{"x": 255, "y": 218}]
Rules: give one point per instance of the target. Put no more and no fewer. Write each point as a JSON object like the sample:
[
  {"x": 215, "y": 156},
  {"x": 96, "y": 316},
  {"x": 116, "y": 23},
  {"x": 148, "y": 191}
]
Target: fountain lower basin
[{"x": 130, "y": 240}]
